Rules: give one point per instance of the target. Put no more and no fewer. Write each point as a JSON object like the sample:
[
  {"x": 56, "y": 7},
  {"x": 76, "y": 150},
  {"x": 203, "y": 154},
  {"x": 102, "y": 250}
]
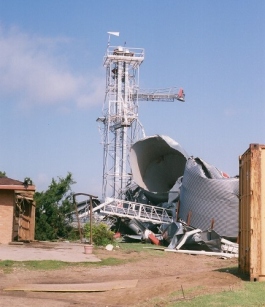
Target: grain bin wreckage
[{"x": 152, "y": 190}]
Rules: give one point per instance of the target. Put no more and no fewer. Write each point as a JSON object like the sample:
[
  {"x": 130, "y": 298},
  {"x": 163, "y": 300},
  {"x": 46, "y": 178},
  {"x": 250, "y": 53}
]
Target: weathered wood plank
[
  {"x": 87, "y": 287},
  {"x": 252, "y": 212}
]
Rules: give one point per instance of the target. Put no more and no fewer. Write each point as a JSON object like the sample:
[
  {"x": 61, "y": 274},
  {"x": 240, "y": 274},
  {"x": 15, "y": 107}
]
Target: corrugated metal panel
[
  {"x": 207, "y": 195},
  {"x": 157, "y": 162},
  {"x": 252, "y": 212}
]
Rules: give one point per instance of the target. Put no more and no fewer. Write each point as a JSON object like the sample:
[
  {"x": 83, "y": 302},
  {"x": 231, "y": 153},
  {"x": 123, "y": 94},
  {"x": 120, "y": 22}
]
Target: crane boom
[{"x": 168, "y": 94}]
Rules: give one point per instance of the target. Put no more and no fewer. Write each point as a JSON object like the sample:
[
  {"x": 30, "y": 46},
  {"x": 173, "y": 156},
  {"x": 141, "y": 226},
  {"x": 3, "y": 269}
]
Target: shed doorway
[{"x": 24, "y": 216}]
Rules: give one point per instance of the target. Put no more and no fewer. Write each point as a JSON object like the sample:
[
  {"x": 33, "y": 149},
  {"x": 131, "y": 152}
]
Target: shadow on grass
[{"x": 234, "y": 271}]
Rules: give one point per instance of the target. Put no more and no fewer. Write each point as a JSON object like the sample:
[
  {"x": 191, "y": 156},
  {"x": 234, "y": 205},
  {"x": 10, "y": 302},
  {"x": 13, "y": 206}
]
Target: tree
[
  {"x": 2, "y": 174},
  {"x": 53, "y": 208}
]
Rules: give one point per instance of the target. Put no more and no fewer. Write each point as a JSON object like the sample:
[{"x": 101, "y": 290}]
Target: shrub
[{"x": 101, "y": 235}]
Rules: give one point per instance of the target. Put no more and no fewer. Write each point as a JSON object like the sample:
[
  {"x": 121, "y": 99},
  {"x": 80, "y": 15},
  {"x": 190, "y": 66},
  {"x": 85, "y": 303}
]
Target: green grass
[
  {"x": 8, "y": 266},
  {"x": 149, "y": 249},
  {"x": 251, "y": 295}
]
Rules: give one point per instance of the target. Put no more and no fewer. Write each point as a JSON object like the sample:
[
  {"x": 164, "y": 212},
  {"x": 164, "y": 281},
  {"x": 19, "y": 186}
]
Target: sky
[{"x": 52, "y": 81}]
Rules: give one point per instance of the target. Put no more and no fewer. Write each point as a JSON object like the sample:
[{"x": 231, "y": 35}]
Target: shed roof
[
  {"x": 9, "y": 181},
  {"x": 12, "y": 184}
]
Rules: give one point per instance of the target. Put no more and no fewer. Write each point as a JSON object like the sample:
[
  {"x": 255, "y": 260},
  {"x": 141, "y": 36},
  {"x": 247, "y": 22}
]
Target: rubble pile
[{"x": 176, "y": 201}]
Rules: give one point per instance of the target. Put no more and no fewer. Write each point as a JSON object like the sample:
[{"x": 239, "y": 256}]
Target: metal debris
[
  {"x": 175, "y": 200},
  {"x": 209, "y": 194}
]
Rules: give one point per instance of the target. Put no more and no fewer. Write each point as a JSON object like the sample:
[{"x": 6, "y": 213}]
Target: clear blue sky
[{"x": 52, "y": 80}]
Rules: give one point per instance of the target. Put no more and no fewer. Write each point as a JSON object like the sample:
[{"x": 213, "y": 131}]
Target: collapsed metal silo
[{"x": 157, "y": 162}]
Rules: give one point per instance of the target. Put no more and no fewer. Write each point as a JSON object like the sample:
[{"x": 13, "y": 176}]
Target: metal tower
[{"x": 120, "y": 127}]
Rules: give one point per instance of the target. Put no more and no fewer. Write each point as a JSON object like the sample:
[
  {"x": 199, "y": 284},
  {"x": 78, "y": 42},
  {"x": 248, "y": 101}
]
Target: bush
[{"x": 101, "y": 235}]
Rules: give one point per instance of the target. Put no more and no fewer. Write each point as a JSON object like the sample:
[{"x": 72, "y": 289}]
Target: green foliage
[
  {"x": 101, "y": 235},
  {"x": 2, "y": 174},
  {"x": 53, "y": 209}
]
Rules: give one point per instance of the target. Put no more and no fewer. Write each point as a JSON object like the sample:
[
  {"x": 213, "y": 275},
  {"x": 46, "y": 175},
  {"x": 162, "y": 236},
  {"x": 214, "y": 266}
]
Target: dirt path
[{"x": 158, "y": 273}]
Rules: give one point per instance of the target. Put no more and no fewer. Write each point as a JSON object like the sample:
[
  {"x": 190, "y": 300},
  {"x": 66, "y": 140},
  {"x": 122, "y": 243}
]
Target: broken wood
[{"x": 88, "y": 287}]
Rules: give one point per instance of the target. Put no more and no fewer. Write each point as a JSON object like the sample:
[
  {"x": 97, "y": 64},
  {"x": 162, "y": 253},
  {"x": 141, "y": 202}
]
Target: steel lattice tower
[{"x": 120, "y": 126}]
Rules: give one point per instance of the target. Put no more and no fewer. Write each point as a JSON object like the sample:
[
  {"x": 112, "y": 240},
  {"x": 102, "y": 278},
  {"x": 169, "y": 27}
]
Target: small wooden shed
[
  {"x": 251, "y": 259},
  {"x": 17, "y": 211}
]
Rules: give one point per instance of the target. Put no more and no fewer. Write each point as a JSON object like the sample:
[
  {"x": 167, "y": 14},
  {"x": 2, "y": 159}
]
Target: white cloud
[
  {"x": 96, "y": 91},
  {"x": 33, "y": 72}
]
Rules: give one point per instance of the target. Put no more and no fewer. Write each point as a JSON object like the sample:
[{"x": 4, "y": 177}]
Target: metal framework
[
  {"x": 119, "y": 124},
  {"x": 128, "y": 209},
  {"x": 167, "y": 94},
  {"x": 121, "y": 127}
]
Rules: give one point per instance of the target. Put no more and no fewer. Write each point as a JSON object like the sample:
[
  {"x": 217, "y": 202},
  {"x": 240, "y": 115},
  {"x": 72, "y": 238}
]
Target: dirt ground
[{"x": 158, "y": 274}]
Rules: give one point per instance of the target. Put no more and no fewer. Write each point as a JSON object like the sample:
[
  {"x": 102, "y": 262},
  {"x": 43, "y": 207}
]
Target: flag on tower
[{"x": 114, "y": 33}]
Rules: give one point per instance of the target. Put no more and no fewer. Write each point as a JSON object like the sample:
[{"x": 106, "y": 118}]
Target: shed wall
[
  {"x": 252, "y": 212},
  {"x": 6, "y": 216}
]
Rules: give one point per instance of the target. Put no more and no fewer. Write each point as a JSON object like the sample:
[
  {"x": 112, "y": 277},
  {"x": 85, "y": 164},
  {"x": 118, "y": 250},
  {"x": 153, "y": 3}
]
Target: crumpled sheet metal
[
  {"x": 157, "y": 162},
  {"x": 209, "y": 195}
]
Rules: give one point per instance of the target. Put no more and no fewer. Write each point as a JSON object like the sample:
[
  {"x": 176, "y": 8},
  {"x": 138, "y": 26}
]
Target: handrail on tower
[{"x": 168, "y": 94}]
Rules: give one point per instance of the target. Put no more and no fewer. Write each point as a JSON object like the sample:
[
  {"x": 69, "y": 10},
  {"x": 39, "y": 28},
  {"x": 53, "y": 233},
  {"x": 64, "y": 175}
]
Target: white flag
[{"x": 114, "y": 33}]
